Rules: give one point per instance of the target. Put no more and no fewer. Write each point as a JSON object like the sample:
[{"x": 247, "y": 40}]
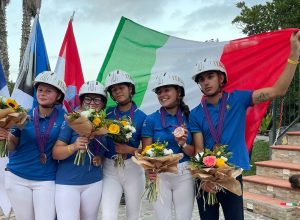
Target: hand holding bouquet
[
  {"x": 121, "y": 132},
  {"x": 10, "y": 114},
  {"x": 88, "y": 123},
  {"x": 211, "y": 167},
  {"x": 156, "y": 158}
]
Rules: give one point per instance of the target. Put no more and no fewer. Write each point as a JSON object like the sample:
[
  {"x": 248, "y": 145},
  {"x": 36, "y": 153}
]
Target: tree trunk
[
  {"x": 3, "y": 39},
  {"x": 29, "y": 11}
]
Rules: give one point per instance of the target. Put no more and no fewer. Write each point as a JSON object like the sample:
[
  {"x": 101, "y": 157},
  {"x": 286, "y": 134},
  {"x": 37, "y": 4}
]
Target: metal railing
[{"x": 290, "y": 115}]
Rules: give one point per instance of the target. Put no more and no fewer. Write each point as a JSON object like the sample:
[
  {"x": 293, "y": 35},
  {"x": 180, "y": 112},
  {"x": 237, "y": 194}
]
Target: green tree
[
  {"x": 4, "y": 59},
  {"x": 274, "y": 15}
]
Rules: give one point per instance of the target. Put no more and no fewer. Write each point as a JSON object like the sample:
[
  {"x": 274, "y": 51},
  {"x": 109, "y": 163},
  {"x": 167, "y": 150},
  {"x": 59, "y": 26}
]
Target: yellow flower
[
  {"x": 96, "y": 121},
  {"x": 159, "y": 147},
  {"x": 220, "y": 162},
  {"x": 124, "y": 122},
  {"x": 148, "y": 147},
  {"x": 114, "y": 129},
  {"x": 12, "y": 103}
]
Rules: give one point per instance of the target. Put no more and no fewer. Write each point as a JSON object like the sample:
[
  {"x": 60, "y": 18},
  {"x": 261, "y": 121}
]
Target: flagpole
[{"x": 72, "y": 17}]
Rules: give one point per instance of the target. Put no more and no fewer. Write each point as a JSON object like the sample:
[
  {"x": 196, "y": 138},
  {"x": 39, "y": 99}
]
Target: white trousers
[
  {"x": 131, "y": 179},
  {"x": 31, "y": 200},
  {"x": 177, "y": 190},
  {"x": 74, "y": 202}
]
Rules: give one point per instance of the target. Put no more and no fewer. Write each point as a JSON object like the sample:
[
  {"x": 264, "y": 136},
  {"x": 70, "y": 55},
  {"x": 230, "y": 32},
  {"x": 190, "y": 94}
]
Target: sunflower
[{"x": 12, "y": 103}]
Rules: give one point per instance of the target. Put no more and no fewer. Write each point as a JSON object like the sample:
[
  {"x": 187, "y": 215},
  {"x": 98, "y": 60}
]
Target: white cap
[
  {"x": 92, "y": 87},
  {"x": 52, "y": 79},
  {"x": 207, "y": 65},
  {"x": 117, "y": 77},
  {"x": 166, "y": 79}
]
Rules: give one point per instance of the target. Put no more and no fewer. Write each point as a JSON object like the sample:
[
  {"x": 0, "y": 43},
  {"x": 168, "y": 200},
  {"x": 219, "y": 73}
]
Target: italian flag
[{"x": 253, "y": 62}]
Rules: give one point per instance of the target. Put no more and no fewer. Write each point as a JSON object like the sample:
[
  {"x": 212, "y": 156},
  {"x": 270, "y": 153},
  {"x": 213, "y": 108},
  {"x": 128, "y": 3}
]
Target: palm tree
[
  {"x": 30, "y": 8},
  {"x": 3, "y": 38}
]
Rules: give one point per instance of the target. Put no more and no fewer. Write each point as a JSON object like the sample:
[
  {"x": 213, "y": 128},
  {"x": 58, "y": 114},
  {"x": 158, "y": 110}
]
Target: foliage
[
  {"x": 260, "y": 152},
  {"x": 265, "y": 123},
  {"x": 274, "y": 15}
]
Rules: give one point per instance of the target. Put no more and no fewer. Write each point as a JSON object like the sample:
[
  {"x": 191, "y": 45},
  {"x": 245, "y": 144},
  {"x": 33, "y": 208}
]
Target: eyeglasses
[{"x": 96, "y": 100}]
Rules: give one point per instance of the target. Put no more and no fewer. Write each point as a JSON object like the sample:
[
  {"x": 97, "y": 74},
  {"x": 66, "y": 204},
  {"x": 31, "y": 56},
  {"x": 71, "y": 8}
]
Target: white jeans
[
  {"x": 177, "y": 189},
  {"x": 131, "y": 179},
  {"x": 74, "y": 202},
  {"x": 30, "y": 199}
]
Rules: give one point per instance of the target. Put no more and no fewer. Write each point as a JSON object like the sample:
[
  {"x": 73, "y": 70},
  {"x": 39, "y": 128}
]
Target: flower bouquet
[
  {"x": 11, "y": 113},
  {"x": 156, "y": 158},
  {"x": 212, "y": 167},
  {"x": 88, "y": 123},
  {"x": 121, "y": 132}
]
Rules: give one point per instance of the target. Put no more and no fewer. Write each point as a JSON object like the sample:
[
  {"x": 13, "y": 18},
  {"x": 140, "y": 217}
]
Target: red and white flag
[{"x": 68, "y": 67}]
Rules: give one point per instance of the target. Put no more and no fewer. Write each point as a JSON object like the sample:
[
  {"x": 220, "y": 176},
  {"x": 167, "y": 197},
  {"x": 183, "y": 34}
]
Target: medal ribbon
[
  {"x": 163, "y": 113},
  {"x": 42, "y": 139},
  {"x": 131, "y": 113},
  {"x": 216, "y": 133}
]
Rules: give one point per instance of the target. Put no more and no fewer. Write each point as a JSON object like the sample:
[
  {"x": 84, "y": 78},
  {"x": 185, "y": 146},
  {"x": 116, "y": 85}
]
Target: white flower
[
  {"x": 168, "y": 151},
  {"x": 198, "y": 156},
  {"x": 128, "y": 135},
  {"x": 129, "y": 128},
  {"x": 86, "y": 113},
  {"x": 150, "y": 152},
  {"x": 224, "y": 158}
]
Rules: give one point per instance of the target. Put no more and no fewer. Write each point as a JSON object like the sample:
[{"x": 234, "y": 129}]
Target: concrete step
[
  {"x": 270, "y": 207},
  {"x": 293, "y": 137},
  {"x": 276, "y": 188},
  {"x": 277, "y": 169},
  {"x": 286, "y": 153}
]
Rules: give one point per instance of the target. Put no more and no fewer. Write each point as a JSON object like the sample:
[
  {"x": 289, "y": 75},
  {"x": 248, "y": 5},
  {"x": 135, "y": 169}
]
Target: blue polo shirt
[
  {"x": 25, "y": 161},
  {"x": 138, "y": 119},
  {"x": 153, "y": 128},
  {"x": 69, "y": 173},
  {"x": 234, "y": 125}
]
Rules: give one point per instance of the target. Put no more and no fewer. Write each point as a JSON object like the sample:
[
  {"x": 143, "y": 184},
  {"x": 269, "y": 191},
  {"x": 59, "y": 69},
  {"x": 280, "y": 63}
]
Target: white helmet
[
  {"x": 166, "y": 79},
  {"x": 117, "y": 77},
  {"x": 52, "y": 79},
  {"x": 92, "y": 87},
  {"x": 207, "y": 65}
]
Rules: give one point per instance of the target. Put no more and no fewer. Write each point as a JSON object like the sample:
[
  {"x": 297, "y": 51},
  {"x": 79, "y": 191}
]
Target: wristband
[
  {"x": 183, "y": 146},
  {"x": 294, "y": 62},
  {"x": 69, "y": 149}
]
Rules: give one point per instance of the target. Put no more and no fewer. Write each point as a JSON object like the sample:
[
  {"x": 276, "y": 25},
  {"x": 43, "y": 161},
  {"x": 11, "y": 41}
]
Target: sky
[{"x": 95, "y": 23}]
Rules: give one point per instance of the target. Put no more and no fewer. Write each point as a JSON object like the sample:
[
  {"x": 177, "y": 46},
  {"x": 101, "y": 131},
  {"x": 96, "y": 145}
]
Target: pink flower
[{"x": 209, "y": 161}]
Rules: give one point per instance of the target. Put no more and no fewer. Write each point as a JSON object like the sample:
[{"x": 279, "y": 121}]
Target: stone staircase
[{"x": 265, "y": 192}]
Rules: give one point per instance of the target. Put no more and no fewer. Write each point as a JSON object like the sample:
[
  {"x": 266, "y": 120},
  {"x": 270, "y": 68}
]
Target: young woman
[
  {"x": 129, "y": 178},
  {"x": 209, "y": 127},
  {"x": 30, "y": 175},
  {"x": 177, "y": 189},
  {"x": 79, "y": 187}
]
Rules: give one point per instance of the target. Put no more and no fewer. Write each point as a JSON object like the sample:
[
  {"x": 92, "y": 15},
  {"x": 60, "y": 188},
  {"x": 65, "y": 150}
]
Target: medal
[
  {"x": 96, "y": 161},
  {"x": 178, "y": 132},
  {"x": 42, "y": 139},
  {"x": 43, "y": 158}
]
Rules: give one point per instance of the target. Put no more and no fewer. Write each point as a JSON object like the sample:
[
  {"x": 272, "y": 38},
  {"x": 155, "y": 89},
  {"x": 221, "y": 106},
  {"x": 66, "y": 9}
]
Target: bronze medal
[
  {"x": 43, "y": 158},
  {"x": 178, "y": 132}
]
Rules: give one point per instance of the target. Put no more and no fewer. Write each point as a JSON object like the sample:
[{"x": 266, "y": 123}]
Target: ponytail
[{"x": 185, "y": 109}]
